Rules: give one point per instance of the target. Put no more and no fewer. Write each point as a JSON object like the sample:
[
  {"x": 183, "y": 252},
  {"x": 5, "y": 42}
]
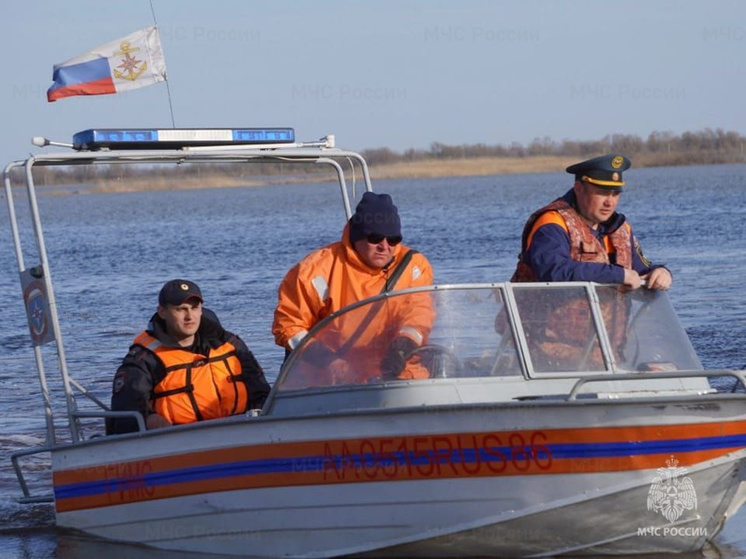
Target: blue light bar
[{"x": 177, "y": 138}]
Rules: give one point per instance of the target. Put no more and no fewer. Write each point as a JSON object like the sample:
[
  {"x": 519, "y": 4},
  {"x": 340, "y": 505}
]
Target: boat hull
[{"x": 453, "y": 481}]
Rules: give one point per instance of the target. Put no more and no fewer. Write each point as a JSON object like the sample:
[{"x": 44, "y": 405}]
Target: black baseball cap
[{"x": 176, "y": 291}]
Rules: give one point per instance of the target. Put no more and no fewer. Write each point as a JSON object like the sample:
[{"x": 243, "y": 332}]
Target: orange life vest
[
  {"x": 196, "y": 387},
  {"x": 584, "y": 245},
  {"x": 572, "y": 318}
]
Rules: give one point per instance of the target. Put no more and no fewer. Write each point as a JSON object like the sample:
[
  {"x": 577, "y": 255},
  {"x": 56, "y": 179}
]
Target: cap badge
[
  {"x": 184, "y": 287},
  {"x": 617, "y": 162},
  {"x": 615, "y": 177}
]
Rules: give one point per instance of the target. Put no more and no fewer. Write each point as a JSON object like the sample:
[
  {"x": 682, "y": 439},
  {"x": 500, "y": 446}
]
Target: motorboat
[{"x": 556, "y": 418}]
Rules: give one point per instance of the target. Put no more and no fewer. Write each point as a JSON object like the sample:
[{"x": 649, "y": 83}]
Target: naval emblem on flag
[{"x": 128, "y": 63}]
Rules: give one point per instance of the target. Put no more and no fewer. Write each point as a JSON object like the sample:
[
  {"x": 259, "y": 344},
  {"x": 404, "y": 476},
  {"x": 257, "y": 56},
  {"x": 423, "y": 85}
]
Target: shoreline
[
  {"x": 420, "y": 169},
  {"x": 468, "y": 167},
  {"x": 481, "y": 166}
]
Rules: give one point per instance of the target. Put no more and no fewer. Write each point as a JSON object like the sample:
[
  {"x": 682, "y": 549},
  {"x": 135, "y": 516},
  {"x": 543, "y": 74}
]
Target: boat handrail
[
  {"x": 136, "y": 415},
  {"x": 15, "y": 456},
  {"x": 88, "y": 394},
  {"x": 321, "y": 152},
  {"x": 652, "y": 376},
  {"x": 27, "y": 497}
]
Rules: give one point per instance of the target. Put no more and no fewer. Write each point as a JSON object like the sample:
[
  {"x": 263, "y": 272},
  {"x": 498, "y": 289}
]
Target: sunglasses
[{"x": 375, "y": 239}]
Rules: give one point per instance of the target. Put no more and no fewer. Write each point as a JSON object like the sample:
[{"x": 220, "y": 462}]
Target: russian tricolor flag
[{"x": 128, "y": 63}]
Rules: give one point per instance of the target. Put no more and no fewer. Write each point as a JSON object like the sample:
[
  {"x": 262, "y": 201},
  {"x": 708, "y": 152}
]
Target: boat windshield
[{"x": 492, "y": 330}]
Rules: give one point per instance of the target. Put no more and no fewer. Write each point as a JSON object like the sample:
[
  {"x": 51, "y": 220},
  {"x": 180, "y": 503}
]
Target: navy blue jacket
[{"x": 549, "y": 254}]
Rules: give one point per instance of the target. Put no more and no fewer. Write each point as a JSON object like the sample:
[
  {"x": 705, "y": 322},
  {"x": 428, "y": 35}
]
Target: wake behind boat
[{"x": 557, "y": 418}]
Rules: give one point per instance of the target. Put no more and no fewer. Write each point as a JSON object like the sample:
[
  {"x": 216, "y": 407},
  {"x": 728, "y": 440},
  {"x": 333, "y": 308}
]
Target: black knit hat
[{"x": 375, "y": 213}]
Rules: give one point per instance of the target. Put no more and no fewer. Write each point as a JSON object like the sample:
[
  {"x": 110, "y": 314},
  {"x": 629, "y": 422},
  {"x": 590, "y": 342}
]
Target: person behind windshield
[
  {"x": 581, "y": 237},
  {"x": 376, "y": 340},
  {"x": 185, "y": 367}
]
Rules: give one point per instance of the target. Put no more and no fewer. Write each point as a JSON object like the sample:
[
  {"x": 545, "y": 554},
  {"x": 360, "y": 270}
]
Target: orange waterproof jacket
[
  {"x": 196, "y": 387},
  {"x": 333, "y": 277}
]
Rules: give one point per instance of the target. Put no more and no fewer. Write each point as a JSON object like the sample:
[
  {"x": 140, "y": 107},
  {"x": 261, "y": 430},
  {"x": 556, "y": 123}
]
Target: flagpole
[{"x": 168, "y": 87}]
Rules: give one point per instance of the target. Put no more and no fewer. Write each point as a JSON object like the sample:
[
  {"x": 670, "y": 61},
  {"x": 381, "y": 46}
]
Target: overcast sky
[{"x": 395, "y": 74}]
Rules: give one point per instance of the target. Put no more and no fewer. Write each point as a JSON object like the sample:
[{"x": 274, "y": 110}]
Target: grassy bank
[
  {"x": 480, "y": 166},
  {"x": 431, "y": 168},
  {"x": 476, "y": 166},
  {"x": 420, "y": 168}
]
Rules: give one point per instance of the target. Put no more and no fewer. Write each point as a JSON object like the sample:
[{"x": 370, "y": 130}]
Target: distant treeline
[
  {"x": 707, "y": 143},
  {"x": 659, "y": 149}
]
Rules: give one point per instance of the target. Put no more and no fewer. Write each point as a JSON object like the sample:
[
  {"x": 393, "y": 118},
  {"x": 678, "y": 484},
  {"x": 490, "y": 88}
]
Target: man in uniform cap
[
  {"x": 581, "y": 237},
  {"x": 184, "y": 367},
  {"x": 358, "y": 266}
]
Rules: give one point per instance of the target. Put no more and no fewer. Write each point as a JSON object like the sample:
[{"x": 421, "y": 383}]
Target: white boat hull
[
  {"x": 567, "y": 417},
  {"x": 439, "y": 500}
]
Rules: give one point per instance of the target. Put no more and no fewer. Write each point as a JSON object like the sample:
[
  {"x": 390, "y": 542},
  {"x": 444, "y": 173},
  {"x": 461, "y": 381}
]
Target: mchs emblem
[{"x": 670, "y": 494}]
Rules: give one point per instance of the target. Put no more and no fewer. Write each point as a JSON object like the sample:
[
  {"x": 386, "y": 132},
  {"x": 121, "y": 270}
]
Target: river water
[{"x": 110, "y": 253}]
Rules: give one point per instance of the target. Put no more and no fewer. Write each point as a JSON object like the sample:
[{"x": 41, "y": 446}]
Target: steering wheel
[{"x": 437, "y": 359}]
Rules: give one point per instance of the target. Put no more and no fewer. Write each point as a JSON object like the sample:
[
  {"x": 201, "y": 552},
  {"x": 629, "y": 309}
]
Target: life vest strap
[
  {"x": 189, "y": 388},
  {"x": 182, "y": 390}
]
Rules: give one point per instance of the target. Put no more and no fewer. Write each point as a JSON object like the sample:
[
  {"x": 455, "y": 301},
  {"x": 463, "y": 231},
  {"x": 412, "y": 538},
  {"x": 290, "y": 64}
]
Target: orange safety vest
[
  {"x": 572, "y": 317},
  {"x": 584, "y": 245},
  {"x": 196, "y": 387}
]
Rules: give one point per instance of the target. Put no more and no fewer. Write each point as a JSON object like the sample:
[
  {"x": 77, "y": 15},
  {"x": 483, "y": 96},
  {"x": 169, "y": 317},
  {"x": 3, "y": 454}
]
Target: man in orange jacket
[
  {"x": 184, "y": 367},
  {"x": 374, "y": 340}
]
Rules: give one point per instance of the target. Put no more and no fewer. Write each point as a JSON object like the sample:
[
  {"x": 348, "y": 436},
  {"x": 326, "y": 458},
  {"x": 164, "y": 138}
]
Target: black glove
[
  {"x": 317, "y": 354},
  {"x": 394, "y": 361}
]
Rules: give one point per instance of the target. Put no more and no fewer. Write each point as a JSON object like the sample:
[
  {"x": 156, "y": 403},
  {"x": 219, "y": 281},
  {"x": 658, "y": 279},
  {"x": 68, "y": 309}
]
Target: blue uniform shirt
[{"x": 549, "y": 256}]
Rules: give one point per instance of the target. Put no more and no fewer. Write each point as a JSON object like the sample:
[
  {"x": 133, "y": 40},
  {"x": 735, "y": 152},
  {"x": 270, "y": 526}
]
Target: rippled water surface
[{"x": 110, "y": 253}]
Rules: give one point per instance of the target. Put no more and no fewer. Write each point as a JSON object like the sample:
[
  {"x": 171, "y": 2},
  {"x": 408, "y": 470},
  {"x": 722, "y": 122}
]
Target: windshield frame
[{"x": 510, "y": 293}]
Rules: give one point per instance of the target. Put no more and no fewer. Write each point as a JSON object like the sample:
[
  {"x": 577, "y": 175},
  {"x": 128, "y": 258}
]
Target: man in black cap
[
  {"x": 185, "y": 367},
  {"x": 358, "y": 266},
  {"x": 581, "y": 237}
]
